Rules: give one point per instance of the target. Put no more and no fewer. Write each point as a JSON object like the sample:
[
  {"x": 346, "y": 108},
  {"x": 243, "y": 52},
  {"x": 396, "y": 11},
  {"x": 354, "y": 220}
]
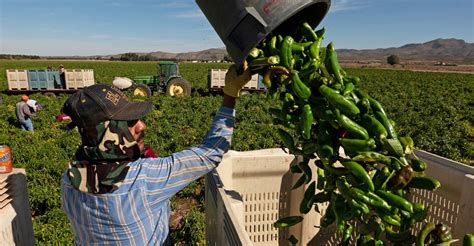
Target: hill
[
  {"x": 445, "y": 50},
  {"x": 449, "y": 51}
]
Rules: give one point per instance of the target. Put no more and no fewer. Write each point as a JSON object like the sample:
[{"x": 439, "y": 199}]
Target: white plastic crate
[
  {"x": 79, "y": 78},
  {"x": 16, "y": 227},
  {"x": 251, "y": 190},
  {"x": 217, "y": 80},
  {"x": 17, "y": 79}
]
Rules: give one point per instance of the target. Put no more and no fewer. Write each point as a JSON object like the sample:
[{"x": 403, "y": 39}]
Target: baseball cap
[{"x": 98, "y": 103}]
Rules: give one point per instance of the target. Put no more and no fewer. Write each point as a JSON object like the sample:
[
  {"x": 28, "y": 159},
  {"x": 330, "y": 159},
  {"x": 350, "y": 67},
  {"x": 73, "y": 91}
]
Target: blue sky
[{"x": 102, "y": 27}]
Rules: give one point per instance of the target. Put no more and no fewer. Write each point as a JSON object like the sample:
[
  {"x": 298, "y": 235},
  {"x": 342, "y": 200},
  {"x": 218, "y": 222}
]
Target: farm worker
[
  {"x": 34, "y": 105},
  {"x": 23, "y": 114},
  {"x": 62, "y": 76},
  {"x": 113, "y": 195}
]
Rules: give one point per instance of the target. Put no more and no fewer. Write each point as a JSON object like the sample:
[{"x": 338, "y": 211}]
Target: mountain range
[
  {"x": 441, "y": 50},
  {"x": 452, "y": 50}
]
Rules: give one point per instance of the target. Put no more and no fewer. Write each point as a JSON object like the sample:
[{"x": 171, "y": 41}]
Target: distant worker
[
  {"x": 62, "y": 76},
  {"x": 34, "y": 105},
  {"x": 23, "y": 114}
]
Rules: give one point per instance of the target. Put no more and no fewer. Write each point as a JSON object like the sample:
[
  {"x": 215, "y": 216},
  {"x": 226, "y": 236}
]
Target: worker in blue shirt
[{"x": 111, "y": 193}]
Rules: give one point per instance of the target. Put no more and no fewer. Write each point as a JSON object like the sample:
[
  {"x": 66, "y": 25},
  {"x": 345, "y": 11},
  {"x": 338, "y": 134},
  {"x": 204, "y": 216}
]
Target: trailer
[
  {"x": 216, "y": 82},
  {"x": 48, "y": 82}
]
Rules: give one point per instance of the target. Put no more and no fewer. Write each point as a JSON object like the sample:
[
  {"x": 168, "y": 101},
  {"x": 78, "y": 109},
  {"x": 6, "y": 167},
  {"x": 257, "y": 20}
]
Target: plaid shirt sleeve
[{"x": 164, "y": 177}]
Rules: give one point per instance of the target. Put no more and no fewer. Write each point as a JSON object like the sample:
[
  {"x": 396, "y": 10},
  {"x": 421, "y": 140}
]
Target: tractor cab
[
  {"x": 167, "y": 70},
  {"x": 167, "y": 80}
]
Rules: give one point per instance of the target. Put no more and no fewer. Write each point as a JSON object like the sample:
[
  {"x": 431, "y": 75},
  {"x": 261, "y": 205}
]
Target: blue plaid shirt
[{"x": 138, "y": 212}]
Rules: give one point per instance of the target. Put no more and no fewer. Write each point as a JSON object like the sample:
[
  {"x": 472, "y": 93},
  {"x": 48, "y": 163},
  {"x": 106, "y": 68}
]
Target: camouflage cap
[{"x": 98, "y": 103}]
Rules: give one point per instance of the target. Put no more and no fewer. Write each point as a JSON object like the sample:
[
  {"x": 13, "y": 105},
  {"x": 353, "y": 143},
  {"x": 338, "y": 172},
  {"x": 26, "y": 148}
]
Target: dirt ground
[{"x": 424, "y": 66}]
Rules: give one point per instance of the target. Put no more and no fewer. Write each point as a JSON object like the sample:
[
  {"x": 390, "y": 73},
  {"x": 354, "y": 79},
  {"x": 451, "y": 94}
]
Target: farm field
[{"x": 435, "y": 109}]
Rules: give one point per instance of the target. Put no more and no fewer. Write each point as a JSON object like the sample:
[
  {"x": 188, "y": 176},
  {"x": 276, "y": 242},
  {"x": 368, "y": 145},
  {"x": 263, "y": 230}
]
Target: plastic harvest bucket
[{"x": 242, "y": 24}]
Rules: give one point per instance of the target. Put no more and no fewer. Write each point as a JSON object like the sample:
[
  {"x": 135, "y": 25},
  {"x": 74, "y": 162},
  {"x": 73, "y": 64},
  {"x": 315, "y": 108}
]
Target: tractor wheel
[
  {"x": 49, "y": 94},
  {"x": 178, "y": 87},
  {"x": 141, "y": 90}
]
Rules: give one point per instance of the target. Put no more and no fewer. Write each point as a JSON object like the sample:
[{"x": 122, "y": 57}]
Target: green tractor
[{"x": 167, "y": 80}]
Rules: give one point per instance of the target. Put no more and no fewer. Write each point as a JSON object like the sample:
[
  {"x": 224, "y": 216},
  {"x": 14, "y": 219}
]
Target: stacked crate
[
  {"x": 16, "y": 227},
  {"x": 43, "y": 79},
  {"x": 216, "y": 80},
  {"x": 79, "y": 78},
  {"x": 17, "y": 79}
]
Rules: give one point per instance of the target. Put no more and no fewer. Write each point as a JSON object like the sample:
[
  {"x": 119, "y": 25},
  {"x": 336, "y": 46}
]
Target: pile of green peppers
[{"x": 365, "y": 170}]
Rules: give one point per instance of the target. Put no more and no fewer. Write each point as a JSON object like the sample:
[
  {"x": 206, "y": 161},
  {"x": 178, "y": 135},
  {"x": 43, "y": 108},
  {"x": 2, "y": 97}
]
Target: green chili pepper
[
  {"x": 332, "y": 63},
  {"x": 362, "y": 207},
  {"x": 422, "y": 236},
  {"x": 398, "y": 237},
  {"x": 324, "y": 140},
  {"x": 321, "y": 197},
  {"x": 320, "y": 32},
  {"x": 300, "y": 47},
  {"x": 381, "y": 177},
  {"x": 287, "y": 221},
  {"x": 339, "y": 101},
  {"x": 264, "y": 61},
  {"x": 287, "y": 139},
  {"x": 424, "y": 182},
  {"x": 408, "y": 144},
  {"x": 338, "y": 171},
  {"x": 344, "y": 188},
  {"x": 354, "y": 129},
  {"x": 359, "y": 171},
  {"x": 371, "y": 156},
  {"x": 254, "y": 53},
  {"x": 329, "y": 217},
  {"x": 307, "y": 121},
  {"x": 391, "y": 133},
  {"x": 396, "y": 200},
  {"x": 321, "y": 178},
  {"x": 276, "y": 70},
  {"x": 286, "y": 55},
  {"x": 364, "y": 106},
  {"x": 348, "y": 88},
  {"x": 306, "y": 169},
  {"x": 308, "y": 32},
  {"x": 309, "y": 148},
  {"x": 346, "y": 235},
  {"x": 307, "y": 201},
  {"x": 369, "y": 198},
  {"x": 338, "y": 208},
  {"x": 300, "y": 89},
  {"x": 373, "y": 126},
  {"x": 357, "y": 145},
  {"x": 273, "y": 46},
  {"x": 418, "y": 165},
  {"x": 468, "y": 240}
]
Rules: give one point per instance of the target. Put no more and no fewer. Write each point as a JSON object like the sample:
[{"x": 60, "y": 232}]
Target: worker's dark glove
[{"x": 234, "y": 82}]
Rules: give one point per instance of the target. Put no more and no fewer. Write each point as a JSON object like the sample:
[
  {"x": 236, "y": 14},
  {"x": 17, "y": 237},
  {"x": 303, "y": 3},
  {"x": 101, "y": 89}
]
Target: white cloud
[
  {"x": 342, "y": 5},
  {"x": 173, "y": 5},
  {"x": 188, "y": 14}
]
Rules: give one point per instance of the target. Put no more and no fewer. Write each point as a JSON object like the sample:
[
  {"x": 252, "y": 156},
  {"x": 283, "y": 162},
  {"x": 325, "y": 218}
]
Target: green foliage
[
  {"x": 433, "y": 108},
  {"x": 393, "y": 59},
  {"x": 192, "y": 231}
]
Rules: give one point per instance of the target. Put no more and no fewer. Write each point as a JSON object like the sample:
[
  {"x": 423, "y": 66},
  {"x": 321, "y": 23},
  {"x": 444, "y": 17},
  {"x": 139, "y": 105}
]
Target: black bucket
[{"x": 242, "y": 24}]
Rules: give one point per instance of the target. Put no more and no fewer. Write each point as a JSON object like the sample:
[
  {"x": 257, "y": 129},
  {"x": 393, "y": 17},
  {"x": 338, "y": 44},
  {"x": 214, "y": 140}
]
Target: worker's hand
[{"x": 234, "y": 82}]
